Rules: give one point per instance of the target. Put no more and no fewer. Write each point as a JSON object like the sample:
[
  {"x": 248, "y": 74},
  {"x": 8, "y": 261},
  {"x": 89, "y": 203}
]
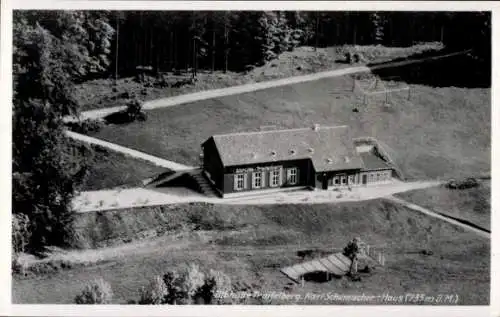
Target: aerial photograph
[{"x": 251, "y": 157}]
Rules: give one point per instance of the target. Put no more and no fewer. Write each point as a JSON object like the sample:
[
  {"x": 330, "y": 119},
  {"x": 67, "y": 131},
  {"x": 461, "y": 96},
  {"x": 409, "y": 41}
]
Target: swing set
[{"x": 373, "y": 87}]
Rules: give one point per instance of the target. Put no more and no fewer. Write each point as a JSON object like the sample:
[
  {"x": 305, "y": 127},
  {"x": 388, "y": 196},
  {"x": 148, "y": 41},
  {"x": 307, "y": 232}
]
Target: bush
[
  {"x": 194, "y": 281},
  {"x": 134, "y": 110},
  {"x": 155, "y": 293},
  {"x": 20, "y": 232},
  {"x": 97, "y": 292},
  {"x": 188, "y": 286},
  {"x": 216, "y": 281},
  {"x": 176, "y": 286},
  {"x": 86, "y": 126},
  {"x": 348, "y": 57},
  {"x": 19, "y": 266}
]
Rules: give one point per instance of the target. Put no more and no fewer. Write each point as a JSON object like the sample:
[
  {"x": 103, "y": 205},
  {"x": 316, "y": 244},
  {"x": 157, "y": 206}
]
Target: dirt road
[
  {"x": 216, "y": 93},
  {"x": 141, "y": 197}
]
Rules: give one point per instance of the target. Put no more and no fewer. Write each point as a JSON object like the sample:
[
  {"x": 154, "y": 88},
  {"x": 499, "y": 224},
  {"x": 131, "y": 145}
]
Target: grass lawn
[
  {"x": 250, "y": 243},
  {"x": 439, "y": 132},
  {"x": 102, "y": 93},
  {"x": 473, "y": 204},
  {"x": 110, "y": 169}
]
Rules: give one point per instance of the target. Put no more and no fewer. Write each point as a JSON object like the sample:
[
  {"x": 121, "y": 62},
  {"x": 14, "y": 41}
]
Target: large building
[{"x": 317, "y": 157}]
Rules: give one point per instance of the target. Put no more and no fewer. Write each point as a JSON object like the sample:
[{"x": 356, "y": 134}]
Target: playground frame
[{"x": 376, "y": 86}]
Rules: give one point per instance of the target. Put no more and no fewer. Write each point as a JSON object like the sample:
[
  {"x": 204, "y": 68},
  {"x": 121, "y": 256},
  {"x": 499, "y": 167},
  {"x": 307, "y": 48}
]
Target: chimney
[{"x": 316, "y": 127}]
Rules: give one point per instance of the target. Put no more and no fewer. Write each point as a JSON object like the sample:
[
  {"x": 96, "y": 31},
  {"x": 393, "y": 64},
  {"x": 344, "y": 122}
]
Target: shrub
[
  {"x": 176, "y": 286},
  {"x": 155, "y": 293},
  {"x": 194, "y": 281},
  {"x": 134, "y": 110},
  {"x": 97, "y": 292},
  {"x": 19, "y": 266},
  {"x": 86, "y": 126},
  {"x": 215, "y": 281},
  {"x": 188, "y": 286},
  {"x": 20, "y": 232},
  {"x": 348, "y": 57}
]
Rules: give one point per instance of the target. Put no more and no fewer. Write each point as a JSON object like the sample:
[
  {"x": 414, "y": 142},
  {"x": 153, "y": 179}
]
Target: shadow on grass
[
  {"x": 124, "y": 117},
  {"x": 320, "y": 276},
  {"x": 120, "y": 117},
  {"x": 462, "y": 70},
  {"x": 312, "y": 253}
]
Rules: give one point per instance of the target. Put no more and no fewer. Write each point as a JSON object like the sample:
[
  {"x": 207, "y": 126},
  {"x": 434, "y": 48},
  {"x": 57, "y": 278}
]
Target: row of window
[
  {"x": 371, "y": 178},
  {"x": 258, "y": 179},
  {"x": 379, "y": 176}
]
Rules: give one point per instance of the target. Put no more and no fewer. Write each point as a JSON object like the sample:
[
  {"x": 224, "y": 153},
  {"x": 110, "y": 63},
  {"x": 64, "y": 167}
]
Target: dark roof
[
  {"x": 329, "y": 148},
  {"x": 373, "y": 161}
]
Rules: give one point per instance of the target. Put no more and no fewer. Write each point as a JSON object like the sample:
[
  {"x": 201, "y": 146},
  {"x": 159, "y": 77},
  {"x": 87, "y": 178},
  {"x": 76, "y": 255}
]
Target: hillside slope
[{"x": 251, "y": 243}]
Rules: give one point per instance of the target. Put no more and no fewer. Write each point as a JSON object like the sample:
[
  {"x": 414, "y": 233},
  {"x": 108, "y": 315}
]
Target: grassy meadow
[
  {"x": 439, "y": 132},
  {"x": 472, "y": 205},
  {"x": 251, "y": 243}
]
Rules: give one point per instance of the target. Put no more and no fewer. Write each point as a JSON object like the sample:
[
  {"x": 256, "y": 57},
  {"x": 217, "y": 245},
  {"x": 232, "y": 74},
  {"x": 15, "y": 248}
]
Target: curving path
[
  {"x": 129, "y": 152},
  {"x": 483, "y": 233},
  {"x": 215, "y": 93}
]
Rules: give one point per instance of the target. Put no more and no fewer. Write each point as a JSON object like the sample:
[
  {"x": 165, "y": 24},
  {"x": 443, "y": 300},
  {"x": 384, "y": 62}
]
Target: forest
[{"x": 53, "y": 50}]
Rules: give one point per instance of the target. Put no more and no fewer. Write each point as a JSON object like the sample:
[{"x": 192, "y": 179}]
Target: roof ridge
[{"x": 281, "y": 130}]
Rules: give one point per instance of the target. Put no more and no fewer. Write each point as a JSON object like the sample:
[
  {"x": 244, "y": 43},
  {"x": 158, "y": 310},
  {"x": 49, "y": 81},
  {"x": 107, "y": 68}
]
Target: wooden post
[
  {"x": 302, "y": 281},
  {"x": 409, "y": 93}
]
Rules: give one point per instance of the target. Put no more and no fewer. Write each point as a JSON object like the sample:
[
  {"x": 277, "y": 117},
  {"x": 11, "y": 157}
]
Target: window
[
  {"x": 351, "y": 179},
  {"x": 343, "y": 179},
  {"x": 275, "y": 178},
  {"x": 379, "y": 178},
  {"x": 336, "y": 180},
  {"x": 292, "y": 176},
  {"x": 257, "y": 180},
  {"x": 239, "y": 181},
  {"x": 372, "y": 177}
]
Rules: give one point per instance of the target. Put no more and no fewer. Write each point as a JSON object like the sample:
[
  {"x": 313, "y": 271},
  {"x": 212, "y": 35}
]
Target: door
[
  {"x": 365, "y": 179},
  {"x": 325, "y": 182}
]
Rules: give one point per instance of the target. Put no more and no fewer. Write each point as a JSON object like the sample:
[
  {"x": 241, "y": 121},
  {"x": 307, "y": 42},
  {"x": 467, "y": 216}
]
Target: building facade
[{"x": 317, "y": 157}]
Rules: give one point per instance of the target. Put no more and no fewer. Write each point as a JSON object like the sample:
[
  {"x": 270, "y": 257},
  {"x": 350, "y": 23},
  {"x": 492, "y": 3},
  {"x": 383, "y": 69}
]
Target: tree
[
  {"x": 96, "y": 292},
  {"x": 45, "y": 170},
  {"x": 155, "y": 293},
  {"x": 378, "y": 21},
  {"x": 46, "y": 167},
  {"x": 190, "y": 285},
  {"x": 215, "y": 281}
]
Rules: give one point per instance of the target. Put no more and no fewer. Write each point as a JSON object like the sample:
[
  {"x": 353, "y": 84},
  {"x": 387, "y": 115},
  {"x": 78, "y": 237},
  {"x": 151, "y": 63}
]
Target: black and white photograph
[{"x": 251, "y": 157}]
